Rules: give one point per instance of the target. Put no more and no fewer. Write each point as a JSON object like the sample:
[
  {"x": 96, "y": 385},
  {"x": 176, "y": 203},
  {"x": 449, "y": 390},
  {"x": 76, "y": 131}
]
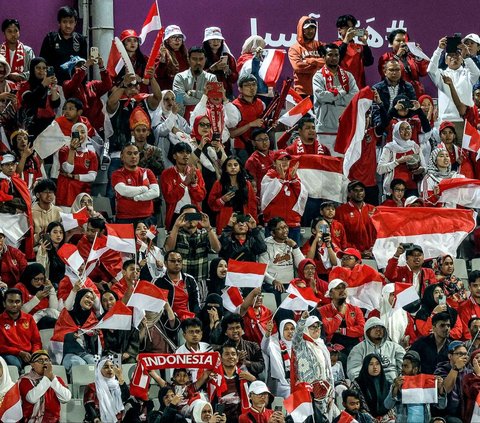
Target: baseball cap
[
  {"x": 446, "y": 124},
  {"x": 350, "y": 252},
  {"x": 333, "y": 284},
  {"x": 412, "y": 355},
  {"x": 473, "y": 37},
  {"x": 354, "y": 184},
  {"x": 309, "y": 22},
  {"x": 326, "y": 203},
  {"x": 127, "y": 33},
  {"x": 8, "y": 158},
  {"x": 454, "y": 345},
  {"x": 281, "y": 154},
  {"x": 413, "y": 248},
  {"x": 258, "y": 387}
]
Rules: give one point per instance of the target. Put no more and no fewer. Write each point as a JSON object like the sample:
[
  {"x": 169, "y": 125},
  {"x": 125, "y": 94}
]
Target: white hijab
[
  {"x": 399, "y": 145},
  {"x": 197, "y": 408},
  {"x": 109, "y": 395},
  {"x": 396, "y": 321},
  {"x": 319, "y": 349},
  {"x": 5, "y": 381},
  {"x": 83, "y": 146},
  {"x": 280, "y": 332}
]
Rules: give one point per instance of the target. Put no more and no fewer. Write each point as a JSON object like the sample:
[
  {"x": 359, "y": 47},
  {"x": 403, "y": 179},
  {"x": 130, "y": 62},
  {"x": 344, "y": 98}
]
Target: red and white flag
[
  {"x": 152, "y": 22},
  {"x": 74, "y": 220},
  {"x": 11, "y": 409},
  {"x": 121, "y": 237},
  {"x": 439, "y": 231},
  {"x": 148, "y": 297},
  {"x": 119, "y": 317},
  {"x": 232, "y": 298},
  {"x": 294, "y": 303},
  {"x": 405, "y": 293},
  {"x": 245, "y": 274},
  {"x": 471, "y": 138},
  {"x": 118, "y": 58},
  {"x": 323, "y": 177},
  {"x": 476, "y": 410},
  {"x": 419, "y": 389},
  {"x": 346, "y": 418},
  {"x": 291, "y": 117},
  {"x": 460, "y": 191},
  {"x": 70, "y": 256},
  {"x": 351, "y": 129},
  {"x": 152, "y": 232},
  {"x": 50, "y": 140},
  {"x": 272, "y": 66},
  {"x": 99, "y": 246},
  {"x": 303, "y": 294},
  {"x": 299, "y": 405}
]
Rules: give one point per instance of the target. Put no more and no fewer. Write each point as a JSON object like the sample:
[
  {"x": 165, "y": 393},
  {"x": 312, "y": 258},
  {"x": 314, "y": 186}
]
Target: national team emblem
[
  {"x": 337, "y": 233},
  {"x": 6, "y": 326},
  {"x": 87, "y": 164},
  {"x": 129, "y": 181},
  {"x": 25, "y": 325}
]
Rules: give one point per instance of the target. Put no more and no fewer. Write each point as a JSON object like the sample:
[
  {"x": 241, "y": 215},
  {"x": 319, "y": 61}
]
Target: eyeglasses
[
  {"x": 399, "y": 189},
  {"x": 194, "y": 331},
  {"x": 348, "y": 258},
  {"x": 39, "y": 279},
  {"x": 205, "y": 125},
  {"x": 461, "y": 354},
  {"x": 266, "y": 139}
]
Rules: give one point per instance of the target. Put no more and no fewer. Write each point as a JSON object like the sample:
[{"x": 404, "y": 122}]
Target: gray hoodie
[{"x": 391, "y": 353}]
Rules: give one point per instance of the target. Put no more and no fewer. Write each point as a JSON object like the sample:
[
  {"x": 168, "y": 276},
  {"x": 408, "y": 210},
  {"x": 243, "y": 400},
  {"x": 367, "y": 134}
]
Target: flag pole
[{"x": 86, "y": 262}]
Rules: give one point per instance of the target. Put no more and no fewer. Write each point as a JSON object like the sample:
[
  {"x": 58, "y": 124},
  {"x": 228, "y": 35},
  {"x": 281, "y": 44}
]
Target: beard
[{"x": 341, "y": 301}]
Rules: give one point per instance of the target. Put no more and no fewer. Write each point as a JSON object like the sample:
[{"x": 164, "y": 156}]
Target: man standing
[
  {"x": 135, "y": 189},
  {"x": 354, "y": 57},
  {"x": 248, "y": 117},
  {"x": 41, "y": 391},
  {"x": 471, "y": 307},
  {"x": 304, "y": 56},
  {"x": 190, "y": 84},
  {"x": 182, "y": 288},
  {"x": 355, "y": 215},
  {"x": 44, "y": 211},
  {"x": 307, "y": 142},
  {"x": 19, "y": 335},
  {"x": 333, "y": 88}
]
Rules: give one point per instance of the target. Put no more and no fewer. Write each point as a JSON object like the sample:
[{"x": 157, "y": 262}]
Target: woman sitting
[
  {"x": 47, "y": 255},
  {"x": 39, "y": 296},
  {"x": 255, "y": 315},
  {"x": 150, "y": 257},
  {"x": 211, "y": 315},
  {"x": 104, "y": 399},
  {"x": 29, "y": 165},
  {"x": 453, "y": 287},
  {"x": 168, "y": 412},
  {"x": 217, "y": 275},
  {"x": 202, "y": 412}
]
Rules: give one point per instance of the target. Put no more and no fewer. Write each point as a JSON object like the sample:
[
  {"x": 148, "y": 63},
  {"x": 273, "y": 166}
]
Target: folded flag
[
  {"x": 272, "y": 66},
  {"x": 152, "y": 232},
  {"x": 351, "y": 129},
  {"x": 419, "y": 389},
  {"x": 232, "y": 298},
  {"x": 471, "y": 138},
  {"x": 245, "y": 274},
  {"x": 405, "y": 294},
  {"x": 118, "y": 58},
  {"x": 460, "y": 191},
  {"x": 70, "y": 256},
  {"x": 439, "y": 231},
  {"x": 121, "y": 237},
  {"x": 74, "y": 220},
  {"x": 11, "y": 409},
  {"x": 292, "y": 116},
  {"x": 152, "y": 22},
  {"x": 99, "y": 246},
  {"x": 323, "y": 177},
  {"x": 119, "y": 317},
  {"x": 299, "y": 404}
]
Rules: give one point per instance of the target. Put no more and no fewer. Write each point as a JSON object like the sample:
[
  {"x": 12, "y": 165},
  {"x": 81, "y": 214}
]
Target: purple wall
[{"x": 274, "y": 20}]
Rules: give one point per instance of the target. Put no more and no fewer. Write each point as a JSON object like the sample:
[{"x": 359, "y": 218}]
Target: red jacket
[
  {"x": 332, "y": 319},
  {"x": 253, "y": 416},
  {"x": 224, "y": 212},
  {"x": 248, "y": 112},
  {"x": 19, "y": 335},
  {"x": 353, "y": 60},
  {"x": 361, "y": 233},
  {"x": 120, "y": 288},
  {"x": 173, "y": 189},
  {"x": 365, "y": 168},
  {"x": 257, "y": 165},
  {"x": 27, "y": 296},
  {"x": 13, "y": 263},
  {"x": 468, "y": 309},
  {"x": 396, "y": 273}
]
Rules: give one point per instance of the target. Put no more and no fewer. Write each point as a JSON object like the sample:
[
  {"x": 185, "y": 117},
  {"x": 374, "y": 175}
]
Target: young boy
[{"x": 72, "y": 114}]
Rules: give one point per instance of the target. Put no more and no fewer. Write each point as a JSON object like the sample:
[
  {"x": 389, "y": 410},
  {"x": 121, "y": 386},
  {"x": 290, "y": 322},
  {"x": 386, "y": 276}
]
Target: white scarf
[
  {"x": 109, "y": 395},
  {"x": 5, "y": 381},
  {"x": 399, "y": 145},
  {"x": 396, "y": 321}
]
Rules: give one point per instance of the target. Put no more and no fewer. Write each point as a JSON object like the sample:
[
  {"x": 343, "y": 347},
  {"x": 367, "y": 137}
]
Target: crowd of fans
[{"x": 175, "y": 146}]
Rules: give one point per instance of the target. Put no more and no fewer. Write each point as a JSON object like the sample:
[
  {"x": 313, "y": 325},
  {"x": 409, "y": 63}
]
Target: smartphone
[
  {"x": 189, "y": 217},
  {"x": 179, "y": 98},
  {"x": 452, "y": 44},
  {"x": 360, "y": 32},
  {"x": 278, "y": 408},
  {"x": 117, "y": 360},
  {"x": 75, "y": 135},
  {"x": 94, "y": 53},
  {"x": 406, "y": 245},
  {"x": 457, "y": 34},
  {"x": 50, "y": 71},
  {"x": 220, "y": 409},
  {"x": 216, "y": 136},
  {"x": 224, "y": 59},
  {"x": 233, "y": 189},
  {"x": 442, "y": 300},
  {"x": 47, "y": 288},
  {"x": 407, "y": 104}
]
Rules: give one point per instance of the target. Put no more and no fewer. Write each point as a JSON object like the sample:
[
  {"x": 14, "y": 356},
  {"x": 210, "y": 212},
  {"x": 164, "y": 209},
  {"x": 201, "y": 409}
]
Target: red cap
[
  {"x": 281, "y": 154},
  {"x": 350, "y": 252},
  {"x": 335, "y": 347},
  {"x": 446, "y": 124},
  {"x": 128, "y": 33}
]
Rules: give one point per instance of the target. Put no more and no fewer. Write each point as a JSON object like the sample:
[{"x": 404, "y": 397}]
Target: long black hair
[{"x": 241, "y": 195}]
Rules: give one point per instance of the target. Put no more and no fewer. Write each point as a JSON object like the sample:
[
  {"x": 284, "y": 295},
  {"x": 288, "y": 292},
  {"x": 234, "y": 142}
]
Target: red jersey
[
  {"x": 353, "y": 62},
  {"x": 127, "y": 207},
  {"x": 257, "y": 165},
  {"x": 468, "y": 309},
  {"x": 248, "y": 112},
  {"x": 365, "y": 168},
  {"x": 358, "y": 225},
  {"x": 332, "y": 319},
  {"x": 26, "y": 297},
  {"x": 19, "y": 335}
]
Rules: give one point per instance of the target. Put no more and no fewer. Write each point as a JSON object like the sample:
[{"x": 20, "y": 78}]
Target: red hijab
[{"x": 196, "y": 124}]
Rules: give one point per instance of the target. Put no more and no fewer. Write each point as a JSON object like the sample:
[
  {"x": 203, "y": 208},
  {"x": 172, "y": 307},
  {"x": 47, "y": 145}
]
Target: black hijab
[
  {"x": 215, "y": 284},
  {"x": 33, "y": 81},
  {"x": 374, "y": 388},
  {"x": 78, "y": 314},
  {"x": 205, "y": 318},
  {"x": 428, "y": 304},
  {"x": 31, "y": 271}
]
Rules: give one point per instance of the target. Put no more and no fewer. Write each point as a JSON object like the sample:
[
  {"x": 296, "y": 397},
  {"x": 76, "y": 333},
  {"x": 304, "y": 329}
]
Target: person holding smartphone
[{"x": 258, "y": 412}]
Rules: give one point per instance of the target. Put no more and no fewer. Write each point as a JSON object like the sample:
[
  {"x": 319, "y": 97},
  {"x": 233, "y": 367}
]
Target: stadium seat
[
  {"x": 45, "y": 335},
  {"x": 269, "y": 301},
  {"x": 476, "y": 264},
  {"x": 371, "y": 263},
  {"x": 13, "y": 370},
  {"x": 460, "y": 269},
  {"x": 73, "y": 411},
  {"x": 81, "y": 377},
  {"x": 102, "y": 204},
  {"x": 128, "y": 370}
]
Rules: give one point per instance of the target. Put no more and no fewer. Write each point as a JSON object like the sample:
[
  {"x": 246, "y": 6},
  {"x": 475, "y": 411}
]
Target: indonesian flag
[
  {"x": 272, "y": 66},
  {"x": 461, "y": 191},
  {"x": 351, "y": 128},
  {"x": 323, "y": 177},
  {"x": 305, "y": 295},
  {"x": 148, "y": 297},
  {"x": 293, "y": 98},
  {"x": 119, "y": 317},
  {"x": 152, "y": 232},
  {"x": 70, "y": 256},
  {"x": 439, "y": 231},
  {"x": 299, "y": 405},
  {"x": 99, "y": 246},
  {"x": 74, "y": 220},
  {"x": 291, "y": 117},
  {"x": 232, "y": 298},
  {"x": 11, "y": 408},
  {"x": 152, "y": 22},
  {"x": 245, "y": 274},
  {"x": 476, "y": 410},
  {"x": 471, "y": 138},
  {"x": 419, "y": 389},
  {"x": 405, "y": 293},
  {"x": 121, "y": 237},
  {"x": 294, "y": 303},
  {"x": 346, "y": 418},
  {"x": 118, "y": 58},
  {"x": 50, "y": 140}
]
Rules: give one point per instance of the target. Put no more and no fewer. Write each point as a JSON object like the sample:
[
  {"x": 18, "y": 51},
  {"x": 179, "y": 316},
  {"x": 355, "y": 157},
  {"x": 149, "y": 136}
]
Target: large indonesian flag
[
  {"x": 438, "y": 231},
  {"x": 291, "y": 117},
  {"x": 461, "y": 191},
  {"x": 50, "y": 140},
  {"x": 323, "y": 177},
  {"x": 419, "y": 389},
  {"x": 299, "y": 405},
  {"x": 121, "y": 237},
  {"x": 245, "y": 274},
  {"x": 148, "y": 297},
  {"x": 351, "y": 129},
  {"x": 272, "y": 66},
  {"x": 70, "y": 255},
  {"x": 11, "y": 409},
  {"x": 152, "y": 22},
  {"x": 119, "y": 317},
  {"x": 471, "y": 138}
]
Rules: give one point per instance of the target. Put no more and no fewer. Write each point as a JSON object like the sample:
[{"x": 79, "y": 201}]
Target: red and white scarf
[
  {"x": 329, "y": 78},
  {"x": 285, "y": 358},
  {"x": 215, "y": 113},
  {"x": 300, "y": 149},
  {"x": 17, "y": 62}
]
